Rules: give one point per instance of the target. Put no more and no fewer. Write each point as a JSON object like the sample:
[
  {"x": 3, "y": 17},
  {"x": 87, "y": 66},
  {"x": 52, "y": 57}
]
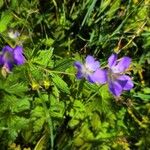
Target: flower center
[
  {"x": 86, "y": 70},
  {"x": 112, "y": 76},
  {"x": 8, "y": 57}
]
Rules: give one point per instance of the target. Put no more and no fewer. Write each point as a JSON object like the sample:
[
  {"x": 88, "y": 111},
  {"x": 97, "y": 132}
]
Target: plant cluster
[{"x": 49, "y": 99}]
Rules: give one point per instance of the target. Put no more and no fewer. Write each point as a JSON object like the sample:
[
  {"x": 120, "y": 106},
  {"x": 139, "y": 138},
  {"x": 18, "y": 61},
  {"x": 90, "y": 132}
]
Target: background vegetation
[{"x": 44, "y": 106}]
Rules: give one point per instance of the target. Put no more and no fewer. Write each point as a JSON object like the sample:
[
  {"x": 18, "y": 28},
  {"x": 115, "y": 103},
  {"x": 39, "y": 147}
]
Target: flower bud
[
  {"x": 46, "y": 84},
  {"x": 35, "y": 86}
]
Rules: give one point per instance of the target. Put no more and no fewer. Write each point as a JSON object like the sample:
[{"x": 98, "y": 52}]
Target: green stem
[
  {"x": 55, "y": 71},
  {"x": 49, "y": 120},
  {"x": 60, "y": 72},
  {"x": 92, "y": 96}
]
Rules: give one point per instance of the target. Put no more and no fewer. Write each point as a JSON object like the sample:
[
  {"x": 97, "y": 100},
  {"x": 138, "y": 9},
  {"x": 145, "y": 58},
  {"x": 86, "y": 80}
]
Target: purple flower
[
  {"x": 115, "y": 75},
  {"x": 11, "y": 56},
  {"x": 89, "y": 70}
]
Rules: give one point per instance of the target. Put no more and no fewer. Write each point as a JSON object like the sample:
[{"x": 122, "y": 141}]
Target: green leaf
[
  {"x": 1, "y": 3},
  {"x": 113, "y": 9},
  {"x": 21, "y": 105},
  {"x": 95, "y": 122},
  {"x": 60, "y": 83},
  {"x": 5, "y": 20},
  {"x": 57, "y": 109},
  {"x": 63, "y": 64},
  {"x": 48, "y": 41},
  {"x": 91, "y": 87},
  {"x": 17, "y": 89},
  {"x": 73, "y": 123},
  {"x": 144, "y": 97},
  {"x": 77, "y": 113},
  {"x": 78, "y": 110},
  {"x": 91, "y": 8},
  {"x": 15, "y": 124},
  {"x": 105, "y": 101},
  {"x": 14, "y": 3},
  {"x": 41, "y": 144},
  {"x": 44, "y": 58},
  {"x": 146, "y": 90},
  {"x": 38, "y": 117},
  {"x": 104, "y": 5}
]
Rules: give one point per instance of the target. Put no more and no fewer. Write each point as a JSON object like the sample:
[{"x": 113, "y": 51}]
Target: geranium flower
[
  {"x": 10, "y": 57},
  {"x": 115, "y": 75},
  {"x": 89, "y": 70}
]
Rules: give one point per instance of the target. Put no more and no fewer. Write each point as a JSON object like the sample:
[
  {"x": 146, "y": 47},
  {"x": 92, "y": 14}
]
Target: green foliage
[
  {"x": 41, "y": 145},
  {"x": 38, "y": 118},
  {"x": 43, "y": 105},
  {"x": 114, "y": 7},
  {"x": 6, "y": 18},
  {"x": 13, "y": 101},
  {"x": 43, "y": 58},
  {"x": 1, "y": 3},
  {"x": 60, "y": 84}
]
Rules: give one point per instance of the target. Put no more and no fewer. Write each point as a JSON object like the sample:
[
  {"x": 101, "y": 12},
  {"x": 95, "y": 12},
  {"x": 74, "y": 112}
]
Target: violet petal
[
  {"x": 78, "y": 65},
  {"x": 125, "y": 82},
  {"x": 1, "y": 60},
  {"x": 115, "y": 88},
  {"x": 90, "y": 78},
  {"x": 8, "y": 66},
  {"x": 7, "y": 49},
  {"x": 18, "y": 56},
  {"x": 122, "y": 65},
  {"x": 99, "y": 76},
  {"x": 91, "y": 64},
  {"x": 112, "y": 60},
  {"x": 79, "y": 74}
]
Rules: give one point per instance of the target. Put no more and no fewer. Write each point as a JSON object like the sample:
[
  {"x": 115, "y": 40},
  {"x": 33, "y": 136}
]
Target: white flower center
[
  {"x": 112, "y": 76},
  {"x": 86, "y": 70}
]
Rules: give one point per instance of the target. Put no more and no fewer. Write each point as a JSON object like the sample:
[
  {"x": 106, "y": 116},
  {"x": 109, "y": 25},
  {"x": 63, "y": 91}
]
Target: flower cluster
[
  {"x": 114, "y": 75},
  {"x": 11, "y": 56}
]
